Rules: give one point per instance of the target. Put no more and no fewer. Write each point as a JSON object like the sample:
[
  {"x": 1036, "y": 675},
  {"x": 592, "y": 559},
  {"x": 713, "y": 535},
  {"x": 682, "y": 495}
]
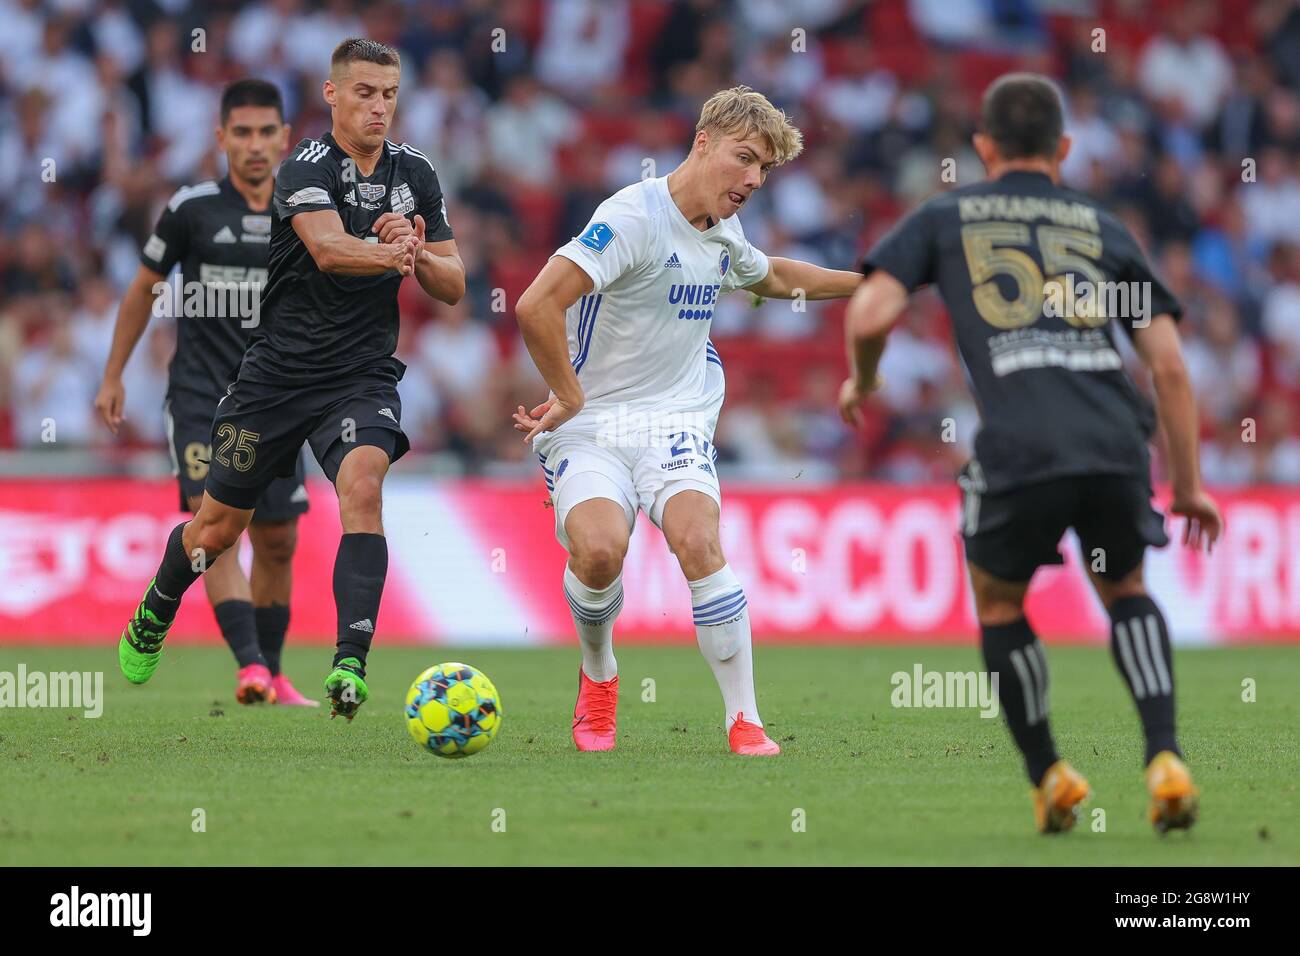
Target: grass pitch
[{"x": 875, "y": 784}]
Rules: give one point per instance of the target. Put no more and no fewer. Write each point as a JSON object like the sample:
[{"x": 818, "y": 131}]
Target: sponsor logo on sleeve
[
  {"x": 310, "y": 196},
  {"x": 155, "y": 248},
  {"x": 598, "y": 236}
]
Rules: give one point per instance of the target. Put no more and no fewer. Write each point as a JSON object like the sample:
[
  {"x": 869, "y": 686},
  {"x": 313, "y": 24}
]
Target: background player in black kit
[
  {"x": 219, "y": 234},
  {"x": 350, "y": 218},
  {"x": 1063, "y": 438}
]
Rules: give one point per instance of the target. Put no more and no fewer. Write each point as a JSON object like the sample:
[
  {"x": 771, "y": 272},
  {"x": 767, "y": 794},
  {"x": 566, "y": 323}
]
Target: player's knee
[
  {"x": 362, "y": 496},
  {"x": 597, "y": 561},
  {"x": 1130, "y": 586},
  {"x": 995, "y": 604},
  {"x": 698, "y": 546},
  {"x": 215, "y": 536},
  {"x": 275, "y": 544}
]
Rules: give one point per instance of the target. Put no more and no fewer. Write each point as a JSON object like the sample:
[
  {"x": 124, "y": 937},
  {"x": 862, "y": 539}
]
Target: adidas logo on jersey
[
  {"x": 299, "y": 494},
  {"x": 388, "y": 413},
  {"x": 673, "y": 262},
  {"x": 224, "y": 235},
  {"x": 365, "y": 625}
]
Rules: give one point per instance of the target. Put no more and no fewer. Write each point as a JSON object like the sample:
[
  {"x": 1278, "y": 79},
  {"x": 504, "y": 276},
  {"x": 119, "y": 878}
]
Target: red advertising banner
[{"x": 477, "y": 562}]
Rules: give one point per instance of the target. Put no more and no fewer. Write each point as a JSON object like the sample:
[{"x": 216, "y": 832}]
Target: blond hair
[{"x": 745, "y": 111}]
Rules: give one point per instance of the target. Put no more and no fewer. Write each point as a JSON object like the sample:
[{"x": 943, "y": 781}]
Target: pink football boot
[
  {"x": 287, "y": 694},
  {"x": 255, "y": 685},
  {"x": 749, "y": 740},
  {"x": 596, "y": 713}
]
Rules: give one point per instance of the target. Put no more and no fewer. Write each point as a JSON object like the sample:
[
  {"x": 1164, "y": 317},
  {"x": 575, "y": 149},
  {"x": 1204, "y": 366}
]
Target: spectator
[
  {"x": 53, "y": 389},
  {"x": 525, "y": 130},
  {"x": 583, "y": 44},
  {"x": 1181, "y": 51}
]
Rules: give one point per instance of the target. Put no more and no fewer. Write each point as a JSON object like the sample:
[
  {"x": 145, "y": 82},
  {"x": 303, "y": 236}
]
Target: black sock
[
  {"x": 1139, "y": 642},
  {"x": 1013, "y": 653},
  {"x": 272, "y": 623},
  {"x": 235, "y": 618},
  {"x": 359, "y": 572},
  {"x": 175, "y": 575}
]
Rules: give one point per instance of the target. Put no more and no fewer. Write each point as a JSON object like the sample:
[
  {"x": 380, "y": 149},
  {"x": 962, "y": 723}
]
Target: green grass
[{"x": 878, "y": 785}]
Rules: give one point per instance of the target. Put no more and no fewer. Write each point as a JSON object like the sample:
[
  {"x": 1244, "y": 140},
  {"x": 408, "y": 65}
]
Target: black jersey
[
  {"x": 221, "y": 245},
  {"x": 1036, "y": 278},
  {"x": 316, "y": 326}
]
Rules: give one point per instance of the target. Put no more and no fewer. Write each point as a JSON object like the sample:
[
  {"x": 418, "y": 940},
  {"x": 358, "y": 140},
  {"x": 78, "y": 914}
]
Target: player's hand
[
  {"x": 852, "y": 395},
  {"x": 1204, "y": 523},
  {"x": 401, "y": 255},
  {"x": 546, "y": 417},
  {"x": 526, "y": 421},
  {"x": 392, "y": 226},
  {"x": 110, "y": 401}
]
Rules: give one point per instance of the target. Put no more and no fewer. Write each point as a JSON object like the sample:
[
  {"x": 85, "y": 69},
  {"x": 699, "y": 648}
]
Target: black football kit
[
  {"x": 221, "y": 246},
  {"x": 1037, "y": 280},
  {"x": 319, "y": 366}
]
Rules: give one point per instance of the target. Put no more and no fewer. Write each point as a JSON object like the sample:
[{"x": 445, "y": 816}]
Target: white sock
[
  {"x": 722, "y": 630},
  {"x": 594, "y": 612}
]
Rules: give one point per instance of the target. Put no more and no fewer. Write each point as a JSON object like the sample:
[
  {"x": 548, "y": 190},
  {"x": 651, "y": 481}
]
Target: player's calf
[
  {"x": 361, "y": 566},
  {"x": 1013, "y": 652},
  {"x": 721, "y": 614},
  {"x": 191, "y": 548},
  {"x": 1139, "y": 643},
  {"x": 597, "y": 535}
]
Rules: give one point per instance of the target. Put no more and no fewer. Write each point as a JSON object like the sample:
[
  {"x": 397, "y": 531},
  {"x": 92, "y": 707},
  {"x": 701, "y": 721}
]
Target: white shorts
[{"x": 578, "y": 467}]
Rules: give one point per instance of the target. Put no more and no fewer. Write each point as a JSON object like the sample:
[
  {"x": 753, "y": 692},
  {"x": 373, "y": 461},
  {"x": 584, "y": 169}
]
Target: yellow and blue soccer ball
[{"x": 453, "y": 710}]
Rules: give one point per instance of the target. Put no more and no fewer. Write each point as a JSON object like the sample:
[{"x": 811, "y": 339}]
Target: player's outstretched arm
[
  {"x": 872, "y": 312},
  {"x": 1160, "y": 349},
  {"x": 787, "y": 278},
  {"x": 132, "y": 317},
  {"x": 334, "y": 250},
  {"x": 540, "y": 314}
]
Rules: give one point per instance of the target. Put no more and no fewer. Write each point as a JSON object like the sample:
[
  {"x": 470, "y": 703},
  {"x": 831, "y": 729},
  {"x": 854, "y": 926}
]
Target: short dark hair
[
  {"x": 250, "y": 93},
  {"x": 1022, "y": 114},
  {"x": 362, "y": 48}
]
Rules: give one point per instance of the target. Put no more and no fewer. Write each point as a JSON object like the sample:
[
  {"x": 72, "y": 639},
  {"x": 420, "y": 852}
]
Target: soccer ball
[{"x": 453, "y": 710}]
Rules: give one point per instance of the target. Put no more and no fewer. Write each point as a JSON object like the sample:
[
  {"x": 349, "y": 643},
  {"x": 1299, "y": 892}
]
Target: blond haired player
[{"x": 618, "y": 324}]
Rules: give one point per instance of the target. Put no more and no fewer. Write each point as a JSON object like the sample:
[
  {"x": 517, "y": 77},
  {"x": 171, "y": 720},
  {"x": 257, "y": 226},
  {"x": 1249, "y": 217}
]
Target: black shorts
[
  {"x": 189, "y": 434},
  {"x": 1012, "y": 534},
  {"x": 259, "y": 429}
]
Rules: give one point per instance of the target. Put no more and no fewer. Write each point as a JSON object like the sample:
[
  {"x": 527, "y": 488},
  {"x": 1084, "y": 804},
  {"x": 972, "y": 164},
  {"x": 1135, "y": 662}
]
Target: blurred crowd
[{"x": 1185, "y": 117}]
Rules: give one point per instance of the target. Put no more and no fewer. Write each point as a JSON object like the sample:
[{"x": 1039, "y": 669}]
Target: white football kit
[{"x": 639, "y": 342}]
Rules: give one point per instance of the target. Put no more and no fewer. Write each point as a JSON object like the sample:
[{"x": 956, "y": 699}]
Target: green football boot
[
  {"x": 140, "y": 648},
  {"x": 346, "y": 688}
]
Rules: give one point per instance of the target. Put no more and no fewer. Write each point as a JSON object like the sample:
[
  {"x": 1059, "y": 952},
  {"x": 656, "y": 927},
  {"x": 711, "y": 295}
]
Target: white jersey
[{"x": 640, "y": 339}]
